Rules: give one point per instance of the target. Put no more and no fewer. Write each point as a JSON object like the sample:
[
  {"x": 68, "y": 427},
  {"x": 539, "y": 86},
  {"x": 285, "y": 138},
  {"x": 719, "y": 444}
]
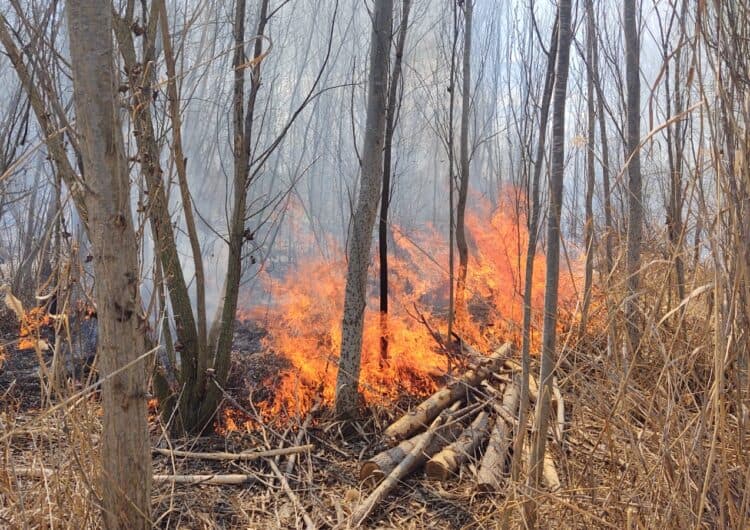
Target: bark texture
[
  {"x": 557, "y": 169},
  {"x": 360, "y": 241},
  {"x": 464, "y": 159},
  {"x": 126, "y": 456},
  {"x": 635, "y": 202}
]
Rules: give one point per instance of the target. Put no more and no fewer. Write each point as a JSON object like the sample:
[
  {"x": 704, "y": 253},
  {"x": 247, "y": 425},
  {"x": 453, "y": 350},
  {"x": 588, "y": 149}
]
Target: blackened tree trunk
[
  {"x": 347, "y": 380},
  {"x": 126, "y": 455},
  {"x": 385, "y": 199}
]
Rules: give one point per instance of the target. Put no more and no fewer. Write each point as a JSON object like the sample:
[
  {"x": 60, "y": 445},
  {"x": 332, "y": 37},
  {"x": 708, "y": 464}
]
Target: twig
[{"x": 292, "y": 496}]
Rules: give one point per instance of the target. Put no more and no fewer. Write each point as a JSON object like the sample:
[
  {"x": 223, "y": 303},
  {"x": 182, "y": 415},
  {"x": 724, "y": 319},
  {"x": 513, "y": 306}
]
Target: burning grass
[
  {"x": 634, "y": 455},
  {"x": 303, "y": 321}
]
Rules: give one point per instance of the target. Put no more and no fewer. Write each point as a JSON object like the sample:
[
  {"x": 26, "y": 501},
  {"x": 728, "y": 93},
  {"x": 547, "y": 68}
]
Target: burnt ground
[{"x": 19, "y": 370}]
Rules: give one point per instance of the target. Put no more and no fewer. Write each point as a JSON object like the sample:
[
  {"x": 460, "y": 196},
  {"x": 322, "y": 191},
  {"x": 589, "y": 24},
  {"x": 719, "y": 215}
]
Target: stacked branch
[{"x": 472, "y": 419}]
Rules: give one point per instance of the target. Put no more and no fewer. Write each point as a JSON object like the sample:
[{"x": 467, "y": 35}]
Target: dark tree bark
[
  {"x": 385, "y": 198},
  {"x": 635, "y": 201}
]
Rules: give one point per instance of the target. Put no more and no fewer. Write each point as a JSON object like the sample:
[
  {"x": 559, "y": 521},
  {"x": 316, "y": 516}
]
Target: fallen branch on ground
[
  {"x": 217, "y": 480},
  {"x": 400, "y": 471},
  {"x": 249, "y": 455},
  {"x": 384, "y": 462}
]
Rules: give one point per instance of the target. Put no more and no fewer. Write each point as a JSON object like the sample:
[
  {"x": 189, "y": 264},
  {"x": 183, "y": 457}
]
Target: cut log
[
  {"x": 375, "y": 469},
  {"x": 446, "y": 462},
  {"x": 406, "y": 466},
  {"x": 493, "y": 462},
  {"x": 417, "y": 419}
]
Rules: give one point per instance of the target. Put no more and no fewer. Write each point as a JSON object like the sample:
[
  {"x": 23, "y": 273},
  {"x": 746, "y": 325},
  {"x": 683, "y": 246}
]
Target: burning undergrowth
[{"x": 303, "y": 321}]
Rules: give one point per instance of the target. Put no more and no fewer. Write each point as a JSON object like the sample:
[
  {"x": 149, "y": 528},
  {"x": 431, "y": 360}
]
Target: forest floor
[{"x": 633, "y": 456}]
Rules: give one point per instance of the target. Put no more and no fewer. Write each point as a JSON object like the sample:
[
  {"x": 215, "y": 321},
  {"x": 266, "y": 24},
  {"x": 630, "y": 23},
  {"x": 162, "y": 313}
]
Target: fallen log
[
  {"x": 245, "y": 456},
  {"x": 417, "y": 419},
  {"x": 380, "y": 465},
  {"x": 400, "y": 471},
  {"x": 493, "y": 462},
  {"x": 446, "y": 462},
  {"x": 218, "y": 480}
]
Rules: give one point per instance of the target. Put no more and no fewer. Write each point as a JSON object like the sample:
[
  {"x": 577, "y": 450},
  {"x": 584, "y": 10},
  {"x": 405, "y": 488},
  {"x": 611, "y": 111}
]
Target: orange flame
[
  {"x": 304, "y": 319},
  {"x": 32, "y": 322}
]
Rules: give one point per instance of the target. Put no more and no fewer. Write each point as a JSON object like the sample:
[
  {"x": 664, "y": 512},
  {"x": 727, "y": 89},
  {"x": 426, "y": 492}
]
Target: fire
[
  {"x": 304, "y": 318},
  {"x": 32, "y": 322}
]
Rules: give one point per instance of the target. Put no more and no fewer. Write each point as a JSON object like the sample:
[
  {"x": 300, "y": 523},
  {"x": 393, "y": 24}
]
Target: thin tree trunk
[
  {"x": 463, "y": 190},
  {"x": 608, "y": 224},
  {"x": 451, "y": 180},
  {"x": 549, "y": 334},
  {"x": 635, "y": 203},
  {"x": 385, "y": 199},
  {"x": 220, "y": 340},
  {"x": 347, "y": 381},
  {"x": 590, "y": 168},
  {"x": 126, "y": 456},
  {"x": 533, "y": 225}
]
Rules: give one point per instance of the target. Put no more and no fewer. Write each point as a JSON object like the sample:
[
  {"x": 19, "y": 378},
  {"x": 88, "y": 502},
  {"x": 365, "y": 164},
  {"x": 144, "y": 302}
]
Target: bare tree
[
  {"x": 385, "y": 199},
  {"x": 531, "y": 244},
  {"x": 463, "y": 188},
  {"x": 126, "y": 451},
  {"x": 360, "y": 240},
  {"x": 635, "y": 200},
  {"x": 590, "y": 168},
  {"x": 557, "y": 170}
]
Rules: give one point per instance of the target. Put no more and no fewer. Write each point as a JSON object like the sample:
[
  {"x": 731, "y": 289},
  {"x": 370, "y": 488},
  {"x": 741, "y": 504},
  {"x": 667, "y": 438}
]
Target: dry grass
[{"x": 640, "y": 435}]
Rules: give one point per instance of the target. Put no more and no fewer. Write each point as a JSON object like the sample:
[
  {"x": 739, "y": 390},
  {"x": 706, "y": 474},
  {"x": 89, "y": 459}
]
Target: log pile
[{"x": 473, "y": 419}]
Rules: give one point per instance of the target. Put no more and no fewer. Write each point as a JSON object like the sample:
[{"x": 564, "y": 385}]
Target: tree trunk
[
  {"x": 608, "y": 224},
  {"x": 451, "y": 179},
  {"x": 635, "y": 204},
  {"x": 126, "y": 456},
  {"x": 385, "y": 199},
  {"x": 220, "y": 339},
  {"x": 531, "y": 248},
  {"x": 557, "y": 169},
  {"x": 590, "y": 146},
  {"x": 463, "y": 190},
  {"x": 347, "y": 380}
]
